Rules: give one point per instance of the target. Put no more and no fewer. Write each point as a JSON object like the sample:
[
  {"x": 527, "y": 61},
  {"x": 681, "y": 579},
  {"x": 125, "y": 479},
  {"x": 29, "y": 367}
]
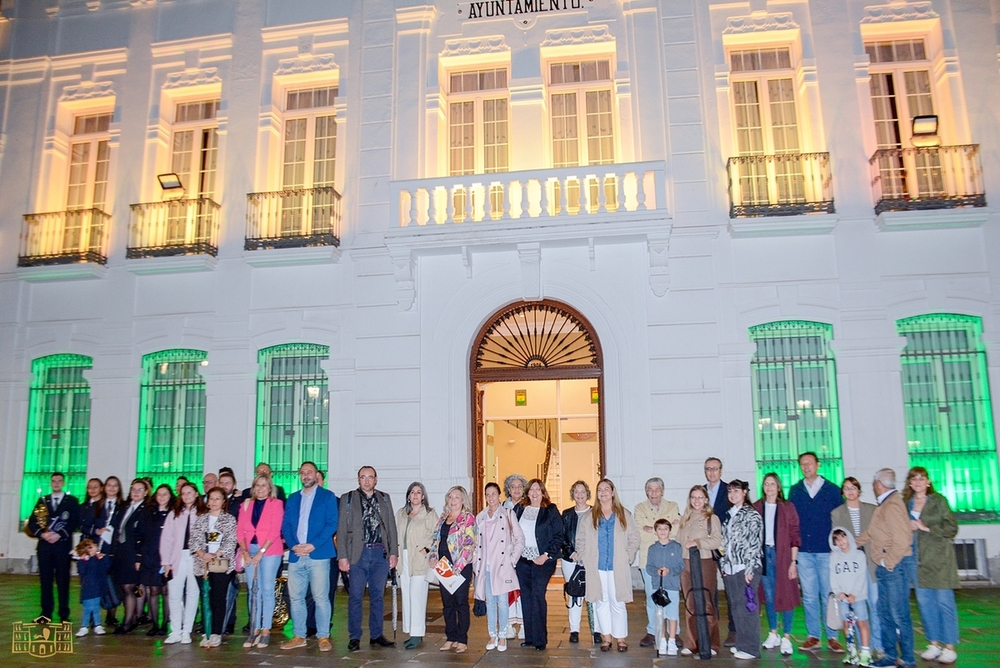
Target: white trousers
[
  {"x": 576, "y": 611},
  {"x": 182, "y": 592},
  {"x": 611, "y": 616},
  {"x": 414, "y": 599}
]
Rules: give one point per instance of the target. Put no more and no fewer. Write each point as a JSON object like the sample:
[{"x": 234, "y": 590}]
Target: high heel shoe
[{"x": 153, "y": 630}]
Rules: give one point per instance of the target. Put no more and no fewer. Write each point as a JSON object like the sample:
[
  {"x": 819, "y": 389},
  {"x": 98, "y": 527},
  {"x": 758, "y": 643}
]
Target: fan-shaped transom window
[{"x": 536, "y": 336}]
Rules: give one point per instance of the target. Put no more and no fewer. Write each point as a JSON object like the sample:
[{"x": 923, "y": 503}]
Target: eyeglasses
[
  {"x": 366, "y": 477},
  {"x": 712, "y": 468}
]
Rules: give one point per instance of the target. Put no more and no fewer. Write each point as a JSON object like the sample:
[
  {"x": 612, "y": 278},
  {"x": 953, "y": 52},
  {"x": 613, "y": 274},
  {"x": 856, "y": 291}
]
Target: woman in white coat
[
  {"x": 415, "y": 524},
  {"x": 607, "y": 539},
  {"x": 499, "y": 542}
]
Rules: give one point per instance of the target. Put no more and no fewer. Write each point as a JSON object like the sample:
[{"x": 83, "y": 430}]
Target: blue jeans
[
  {"x": 497, "y": 610},
  {"x": 769, "y": 582},
  {"x": 371, "y": 570},
  {"x": 874, "y": 622},
  {"x": 814, "y": 576},
  {"x": 91, "y": 613},
  {"x": 304, "y": 574},
  {"x": 262, "y": 605},
  {"x": 647, "y": 586},
  {"x": 894, "y": 612},
  {"x": 939, "y": 614}
]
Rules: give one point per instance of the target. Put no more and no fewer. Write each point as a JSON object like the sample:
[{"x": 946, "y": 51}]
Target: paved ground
[{"x": 979, "y": 617}]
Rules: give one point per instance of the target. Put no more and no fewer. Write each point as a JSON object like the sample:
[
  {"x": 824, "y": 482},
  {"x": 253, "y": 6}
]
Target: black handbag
[
  {"x": 479, "y": 608},
  {"x": 660, "y": 596},
  {"x": 576, "y": 586}
]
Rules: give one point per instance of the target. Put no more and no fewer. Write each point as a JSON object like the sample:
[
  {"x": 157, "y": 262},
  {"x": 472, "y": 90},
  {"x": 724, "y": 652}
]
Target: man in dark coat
[
  {"x": 52, "y": 522},
  {"x": 718, "y": 497}
]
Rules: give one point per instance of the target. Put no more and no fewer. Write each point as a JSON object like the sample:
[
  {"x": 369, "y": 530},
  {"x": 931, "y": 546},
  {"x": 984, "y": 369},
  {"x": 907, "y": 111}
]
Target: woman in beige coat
[
  {"x": 607, "y": 540},
  {"x": 699, "y": 527},
  {"x": 415, "y": 523}
]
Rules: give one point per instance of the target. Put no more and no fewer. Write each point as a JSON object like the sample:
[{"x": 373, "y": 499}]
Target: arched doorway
[{"x": 537, "y": 389}]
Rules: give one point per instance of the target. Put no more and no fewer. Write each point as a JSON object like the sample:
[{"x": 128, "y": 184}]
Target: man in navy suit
[
  {"x": 55, "y": 540},
  {"x": 718, "y": 498},
  {"x": 310, "y": 522}
]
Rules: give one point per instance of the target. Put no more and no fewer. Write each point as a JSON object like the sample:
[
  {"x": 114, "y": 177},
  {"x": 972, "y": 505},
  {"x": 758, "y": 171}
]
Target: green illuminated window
[
  {"x": 949, "y": 419},
  {"x": 58, "y": 427},
  {"x": 172, "y": 416},
  {"x": 293, "y": 410},
  {"x": 794, "y": 379}
]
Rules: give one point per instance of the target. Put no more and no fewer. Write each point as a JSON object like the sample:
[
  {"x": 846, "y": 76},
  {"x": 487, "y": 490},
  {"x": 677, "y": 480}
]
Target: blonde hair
[
  {"x": 616, "y": 506},
  {"x": 466, "y": 500},
  {"x": 273, "y": 494},
  {"x": 689, "y": 512}
]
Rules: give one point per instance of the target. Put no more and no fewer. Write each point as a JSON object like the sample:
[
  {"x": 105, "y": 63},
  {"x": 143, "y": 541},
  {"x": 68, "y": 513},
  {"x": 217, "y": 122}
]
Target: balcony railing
[
  {"x": 783, "y": 184},
  {"x": 293, "y": 218},
  {"x": 64, "y": 237},
  {"x": 935, "y": 177},
  {"x": 549, "y": 193},
  {"x": 174, "y": 227}
]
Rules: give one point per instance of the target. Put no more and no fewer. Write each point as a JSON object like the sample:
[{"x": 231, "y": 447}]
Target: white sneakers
[
  {"x": 932, "y": 652},
  {"x": 492, "y": 644},
  {"x": 502, "y": 645},
  {"x": 99, "y": 630},
  {"x": 171, "y": 639},
  {"x": 82, "y": 632},
  {"x": 215, "y": 640},
  {"x": 773, "y": 640},
  {"x": 671, "y": 647},
  {"x": 185, "y": 638},
  {"x": 948, "y": 656},
  {"x": 661, "y": 647},
  {"x": 667, "y": 647},
  {"x": 743, "y": 655},
  {"x": 786, "y": 646}
]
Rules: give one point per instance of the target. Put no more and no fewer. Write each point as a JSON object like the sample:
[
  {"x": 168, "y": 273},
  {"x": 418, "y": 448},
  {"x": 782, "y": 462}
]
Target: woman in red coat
[{"x": 780, "y": 580}]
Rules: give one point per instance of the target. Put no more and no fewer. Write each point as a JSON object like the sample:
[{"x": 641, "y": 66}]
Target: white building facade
[{"x": 643, "y": 232}]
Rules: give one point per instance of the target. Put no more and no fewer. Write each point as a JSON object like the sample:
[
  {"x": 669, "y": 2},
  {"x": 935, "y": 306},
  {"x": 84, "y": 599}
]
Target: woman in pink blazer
[
  {"x": 499, "y": 541},
  {"x": 258, "y": 534}
]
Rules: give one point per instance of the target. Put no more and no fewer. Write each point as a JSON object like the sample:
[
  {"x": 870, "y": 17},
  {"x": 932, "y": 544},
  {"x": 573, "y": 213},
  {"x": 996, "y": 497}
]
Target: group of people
[{"x": 183, "y": 547}]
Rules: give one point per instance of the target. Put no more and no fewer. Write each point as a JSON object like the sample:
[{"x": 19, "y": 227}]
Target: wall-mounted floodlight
[
  {"x": 925, "y": 131},
  {"x": 170, "y": 181}
]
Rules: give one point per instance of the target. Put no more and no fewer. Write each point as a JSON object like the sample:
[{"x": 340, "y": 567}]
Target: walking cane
[
  {"x": 699, "y": 592},
  {"x": 395, "y": 605}
]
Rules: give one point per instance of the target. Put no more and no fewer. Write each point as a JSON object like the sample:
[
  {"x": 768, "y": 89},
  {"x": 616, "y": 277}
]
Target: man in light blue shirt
[{"x": 310, "y": 522}]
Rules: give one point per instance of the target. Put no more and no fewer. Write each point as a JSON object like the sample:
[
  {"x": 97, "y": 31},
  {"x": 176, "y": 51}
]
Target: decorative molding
[
  {"x": 62, "y": 272},
  {"x": 530, "y": 256},
  {"x": 903, "y": 11},
  {"x": 595, "y": 34},
  {"x": 404, "y": 269},
  {"x": 306, "y": 64},
  {"x": 177, "y": 264},
  {"x": 940, "y": 219},
  {"x": 283, "y": 257},
  {"x": 782, "y": 226},
  {"x": 473, "y": 46},
  {"x": 88, "y": 90},
  {"x": 193, "y": 77},
  {"x": 760, "y": 22},
  {"x": 658, "y": 245}
]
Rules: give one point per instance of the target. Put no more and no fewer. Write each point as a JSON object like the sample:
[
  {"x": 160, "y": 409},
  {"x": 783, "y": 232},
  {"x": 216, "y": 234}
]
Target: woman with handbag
[
  {"x": 148, "y": 553},
  {"x": 780, "y": 579},
  {"x": 415, "y": 523},
  {"x": 742, "y": 553},
  {"x": 700, "y": 528},
  {"x": 455, "y": 542},
  {"x": 542, "y": 526},
  {"x": 607, "y": 540},
  {"x": 499, "y": 541},
  {"x": 178, "y": 563},
  {"x": 258, "y": 533},
  {"x": 580, "y": 493},
  {"x": 213, "y": 546}
]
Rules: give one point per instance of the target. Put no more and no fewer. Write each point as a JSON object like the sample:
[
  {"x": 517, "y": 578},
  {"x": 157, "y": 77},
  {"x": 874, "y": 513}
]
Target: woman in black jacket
[
  {"x": 125, "y": 564},
  {"x": 544, "y": 540},
  {"x": 580, "y": 493},
  {"x": 147, "y": 552},
  {"x": 91, "y": 510}
]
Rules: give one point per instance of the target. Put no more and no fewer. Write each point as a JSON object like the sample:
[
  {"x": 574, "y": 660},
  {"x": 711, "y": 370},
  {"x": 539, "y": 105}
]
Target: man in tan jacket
[{"x": 889, "y": 541}]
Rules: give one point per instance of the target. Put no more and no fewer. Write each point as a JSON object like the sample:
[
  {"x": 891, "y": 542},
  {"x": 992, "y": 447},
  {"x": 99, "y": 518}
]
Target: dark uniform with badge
[{"x": 59, "y": 515}]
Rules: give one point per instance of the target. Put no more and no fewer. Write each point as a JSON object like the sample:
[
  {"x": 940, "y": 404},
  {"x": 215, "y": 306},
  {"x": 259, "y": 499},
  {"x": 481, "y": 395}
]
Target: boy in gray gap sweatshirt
[
  {"x": 849, "y": 583},
  {"x": 666, "y": 558}
]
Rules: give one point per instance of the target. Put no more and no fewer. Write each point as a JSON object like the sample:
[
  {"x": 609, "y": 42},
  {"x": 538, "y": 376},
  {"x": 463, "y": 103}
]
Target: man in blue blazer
[{"x": 311, "y": 517}]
